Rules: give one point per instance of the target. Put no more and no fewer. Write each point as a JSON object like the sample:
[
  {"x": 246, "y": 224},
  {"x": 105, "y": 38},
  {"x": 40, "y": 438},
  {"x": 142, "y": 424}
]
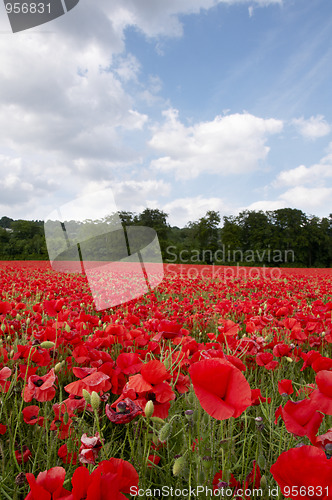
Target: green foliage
[{"x": 284, "y": 237}]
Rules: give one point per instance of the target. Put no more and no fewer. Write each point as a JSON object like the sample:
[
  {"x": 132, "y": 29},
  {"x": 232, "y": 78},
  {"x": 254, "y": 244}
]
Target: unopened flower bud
[
  {"x": 95, "y": 400},
  {"x": 179, "y": 465},
  {"x": 149, "y": 409},
  {"x": 165, "y": 433},
  {"x": 66, "y": 418},
  {"x": 289, "y": 359},
  {"x": 47, "y": 344},
  {"x": 261, "y": 462},
  {"x": 67, "y": 328},
  {"x": 86, "y": 396},
  {"x": 263, "y": 483},
  {"x": 167, "y": 363},
  {"x": 157, "y": 420},
  {"x": 58, "y": 367}
]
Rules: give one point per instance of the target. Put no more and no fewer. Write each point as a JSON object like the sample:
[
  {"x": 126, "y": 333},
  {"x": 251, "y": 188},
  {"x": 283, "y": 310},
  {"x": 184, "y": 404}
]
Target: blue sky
[{"x": 181, "y": 105}]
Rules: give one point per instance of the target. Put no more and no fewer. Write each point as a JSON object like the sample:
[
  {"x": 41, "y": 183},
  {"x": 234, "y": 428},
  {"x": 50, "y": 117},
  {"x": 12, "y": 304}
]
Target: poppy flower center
[
  {"x": 39, "y": 382},
  {"x": 152, "y": 397}
]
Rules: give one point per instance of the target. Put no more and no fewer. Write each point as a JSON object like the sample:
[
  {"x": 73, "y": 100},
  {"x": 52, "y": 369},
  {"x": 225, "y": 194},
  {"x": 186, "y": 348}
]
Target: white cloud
[
  {"x": 65, "y": 111},
  {"x": 162, "y": 18},
  {"x": 266, "y": 205},
  {"x": 307, "y": 188},
  {"x": 312, "y": 128},
  {"x": 315, "y": 175},
  {"x": 229, "y": 144},
  {"x": 307, "y": 198}
]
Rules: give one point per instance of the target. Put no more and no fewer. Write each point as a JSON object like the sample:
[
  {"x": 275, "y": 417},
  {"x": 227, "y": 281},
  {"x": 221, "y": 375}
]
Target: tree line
[{"x": 280, "y": 238}]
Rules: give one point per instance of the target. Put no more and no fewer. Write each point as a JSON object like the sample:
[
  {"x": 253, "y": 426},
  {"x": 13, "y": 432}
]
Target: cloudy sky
[{"x": 181, "y": 105}]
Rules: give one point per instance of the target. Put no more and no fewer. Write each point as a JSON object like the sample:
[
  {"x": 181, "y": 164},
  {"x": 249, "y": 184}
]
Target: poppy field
[{"x": 213, "y": 385}]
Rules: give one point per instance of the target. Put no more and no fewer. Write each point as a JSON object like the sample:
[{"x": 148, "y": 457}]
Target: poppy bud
[
  {"x": 86, "y": 396},
  {"x": 66, "y": 418},
  {"x": 149, "y": 409},
  {"x": 179, "y": 465},
  {"x": 261, "y": 462},
  {"x": 3, "y": 327},
  {"x": 47, "y": 344},
  {"x": 67, "y": 328},
  {"x": 95, "y": 400},
  {"x": 165, "y": 433},
  {"x": 157, "y": 420},
  {"x": 263, "y": 484},
  {"x": 167, "y": 363},
  {"x": 58, "y": 367},
  {"x": 289, "y": 359}
]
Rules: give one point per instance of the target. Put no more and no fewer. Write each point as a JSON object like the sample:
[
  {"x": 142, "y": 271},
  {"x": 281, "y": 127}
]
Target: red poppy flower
[
  {"x": 305, "y": 467},
  {"x": 48, "y": 485},
  {"x": 266, "y": 359},
  {"x": 126, "y": 411},
  {"x": 150, "y": 385},
  {"x": 230, "y": 393},
  {"x": 129, "y": 363},
  {"x": 281, "y": 350},
  {"x": 5, "y": 307},
  {"x": 30, "y": 415},
  {"x": 322, "y": 396},
  {"x": 109, "y": 481},
  {"x": 66, "y": 456},
  {"x": 97, "y": 381},
  {"x": 285, "y": 386},
  {"x": 40, "y": 388},
  {"x": 4, "y": 374},
  {"x": 257, "y": 398},
  {"x": 63, "y": 429},
  {"x": 168, "y": 330},
  {"x": 3, "y": 429},
  {"x": 301, "y": 418},
  {"x": 322, "y": 363},
  {"x": 22, "y": 456},
  {"x": 89, "y": 449},
  {"x": 218, "y": 483}
]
